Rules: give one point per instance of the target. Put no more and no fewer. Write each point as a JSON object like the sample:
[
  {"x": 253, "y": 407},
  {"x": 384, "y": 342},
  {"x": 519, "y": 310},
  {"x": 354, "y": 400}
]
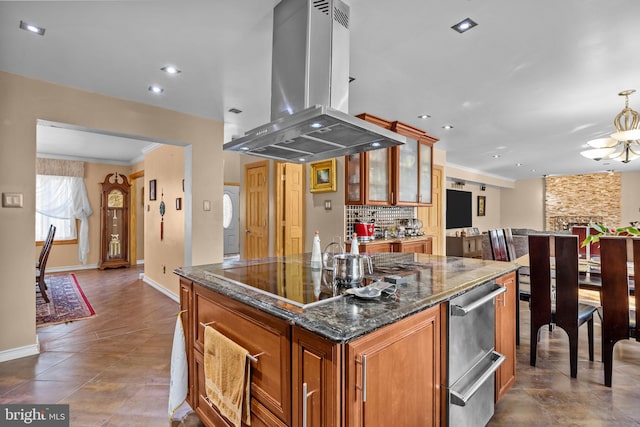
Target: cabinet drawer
[
  {"x": 259, "y": 333},
  {"x": 260, "y": 416}
]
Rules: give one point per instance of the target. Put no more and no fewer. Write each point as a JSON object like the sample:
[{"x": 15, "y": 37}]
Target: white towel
[{"x": 179, "y": 369}]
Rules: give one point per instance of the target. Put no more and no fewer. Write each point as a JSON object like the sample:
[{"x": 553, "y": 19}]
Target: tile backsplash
[{"x": 384, "y": 216}]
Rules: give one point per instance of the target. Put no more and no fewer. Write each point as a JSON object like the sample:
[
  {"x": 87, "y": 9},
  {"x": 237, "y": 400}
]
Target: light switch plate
[
  {"x": 12, "y": 200},
  {"x": 206, "y": 205}
]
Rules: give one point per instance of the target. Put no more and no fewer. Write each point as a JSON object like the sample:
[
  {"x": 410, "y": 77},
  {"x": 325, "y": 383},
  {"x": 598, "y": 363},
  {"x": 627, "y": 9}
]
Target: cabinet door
[
  {"x": 418, "y": 247},
  {"x": 186, "y": 287},
  {"x": 426, "y": 168},
  {"x": 506, "y": 334},
  {"x": 407, "y": 173},
  {"x": 315, "y": 380},
  {"x": 393, "y": 374},
  {"x": 354, "y": 179},
  {"x": 378, "y": 182}
]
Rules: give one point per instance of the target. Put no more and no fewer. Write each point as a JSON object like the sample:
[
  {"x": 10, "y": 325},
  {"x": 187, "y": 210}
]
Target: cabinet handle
[
  {"x": 364, "y": 378},
  {"x": 304, "y": 404},
  {"x": 305, "y": 398}
]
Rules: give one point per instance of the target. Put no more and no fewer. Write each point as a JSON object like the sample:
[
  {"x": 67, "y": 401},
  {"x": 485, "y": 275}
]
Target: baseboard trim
[
  {"x": 159, "y": 288},
  {"x": 19, "y": 352},
  {"x": 72, "y": 268}
]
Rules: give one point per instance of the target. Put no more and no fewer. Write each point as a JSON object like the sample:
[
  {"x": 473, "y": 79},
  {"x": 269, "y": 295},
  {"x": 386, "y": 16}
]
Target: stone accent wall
[{"x": 591, "y": 197}]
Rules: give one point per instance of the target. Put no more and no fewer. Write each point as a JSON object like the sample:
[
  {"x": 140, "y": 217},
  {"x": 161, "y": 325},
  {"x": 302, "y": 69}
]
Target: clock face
[{"x": 115, "y": 199}]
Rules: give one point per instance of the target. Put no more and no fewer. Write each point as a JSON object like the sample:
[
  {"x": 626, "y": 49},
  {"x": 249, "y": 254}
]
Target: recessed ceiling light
[
  {"x": 375, "y": 144},
  {"x": 464, "y": 25},
  {"x": 302, "y": 159},
  {"x": 518, "y": 164},
  {"x": 171, "y": 69},
  {"x": 32, "y": 28},
  {"x": 234, "y": 110},
  {"x": 244, "y": 148},
  {"x": 156, "y": 89},
  {"x": 316, "y": 125},
  {"x": 496, "y": 156},
  {"x": 447, "y": 127},
  {"x": 424, "y": 116}
]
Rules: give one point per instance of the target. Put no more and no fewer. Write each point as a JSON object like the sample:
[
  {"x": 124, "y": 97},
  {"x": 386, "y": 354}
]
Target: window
[{"x": 61, "y": 200}]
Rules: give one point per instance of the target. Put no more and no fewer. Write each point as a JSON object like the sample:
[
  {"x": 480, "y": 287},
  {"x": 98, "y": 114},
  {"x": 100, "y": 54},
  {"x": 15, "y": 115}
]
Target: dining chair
[
  {"x": 566, "y": 312},
  {"x": 42, "y": 263},
  {"x": 498, "y": 245},
  {"x": 618, "y": 322},
  {"x": 503, "y": 249}
]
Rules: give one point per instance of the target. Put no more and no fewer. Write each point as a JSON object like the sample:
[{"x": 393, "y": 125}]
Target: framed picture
[
  {"x": 482, "y": 201},
  {"x": 152, "y": 189},
  {"x": 323, "y": 176},
  {"x": 179, "y": 203}
]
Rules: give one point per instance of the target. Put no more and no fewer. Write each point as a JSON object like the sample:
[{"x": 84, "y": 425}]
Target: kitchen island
[{"x": 330, "y": 358}]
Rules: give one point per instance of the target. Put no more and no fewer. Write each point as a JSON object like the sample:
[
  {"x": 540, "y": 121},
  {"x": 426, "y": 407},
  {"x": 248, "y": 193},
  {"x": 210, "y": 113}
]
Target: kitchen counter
[{"x": 330, "y": 313}]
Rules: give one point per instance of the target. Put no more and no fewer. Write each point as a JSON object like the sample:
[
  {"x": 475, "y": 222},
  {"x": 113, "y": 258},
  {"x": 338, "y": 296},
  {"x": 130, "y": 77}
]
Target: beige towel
[{"x": 227, "y": 376}]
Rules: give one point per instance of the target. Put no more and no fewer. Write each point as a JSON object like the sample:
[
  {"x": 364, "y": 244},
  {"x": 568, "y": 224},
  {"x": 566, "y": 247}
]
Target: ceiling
[{"x": 531, "y": 83}]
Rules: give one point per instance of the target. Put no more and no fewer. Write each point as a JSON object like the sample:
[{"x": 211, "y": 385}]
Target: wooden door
[
  {"x": 431, "y": 217},
  {"x": 506, "y": 334},
  {"x": 256, "y": 241},
  {"x": 393, "y": 374},
  {"x": 290, "y": 198}
]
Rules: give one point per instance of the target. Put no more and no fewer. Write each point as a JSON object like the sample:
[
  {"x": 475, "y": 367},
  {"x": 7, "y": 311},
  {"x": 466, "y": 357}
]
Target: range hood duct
[{"x": 310, "y": 90}]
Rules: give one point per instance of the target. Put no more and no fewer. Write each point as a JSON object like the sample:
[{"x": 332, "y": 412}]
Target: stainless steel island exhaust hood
[{"x": 310, "y": 90}]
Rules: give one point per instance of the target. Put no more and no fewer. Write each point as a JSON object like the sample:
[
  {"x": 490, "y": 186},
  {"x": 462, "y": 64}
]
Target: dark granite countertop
[{"x": 430, "y": 280}]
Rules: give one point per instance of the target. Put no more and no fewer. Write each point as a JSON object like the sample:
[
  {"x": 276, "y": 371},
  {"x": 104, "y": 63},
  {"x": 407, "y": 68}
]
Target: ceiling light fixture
[
  {"x": 235, "y": 110},
  {"x": 624, "y": 144},
  {"x": 424, "y": 116},
  {"x": 32, "y": 28},
  {"x": 447, "y": 127},
  {"x": 464, "y": 25},
  {"x": 156, "y": 89},
  {"x": 171, "y": 69}
]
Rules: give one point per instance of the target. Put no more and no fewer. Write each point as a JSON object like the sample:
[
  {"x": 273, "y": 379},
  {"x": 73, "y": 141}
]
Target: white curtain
[{"x": 65, "y": 197}]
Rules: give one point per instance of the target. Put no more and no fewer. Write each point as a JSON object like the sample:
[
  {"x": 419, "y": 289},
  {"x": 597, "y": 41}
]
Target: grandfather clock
[{"x": 114, "y": 222}]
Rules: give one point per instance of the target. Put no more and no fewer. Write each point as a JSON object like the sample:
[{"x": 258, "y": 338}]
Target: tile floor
[{"x": 113, "y": 369}]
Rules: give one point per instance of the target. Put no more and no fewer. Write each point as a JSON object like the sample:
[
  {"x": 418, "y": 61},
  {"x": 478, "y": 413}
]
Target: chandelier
[{"x": 624, "y": 145}]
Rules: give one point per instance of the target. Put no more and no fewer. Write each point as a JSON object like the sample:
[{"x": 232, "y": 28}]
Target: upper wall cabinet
[{"x": 398, "y": 176}]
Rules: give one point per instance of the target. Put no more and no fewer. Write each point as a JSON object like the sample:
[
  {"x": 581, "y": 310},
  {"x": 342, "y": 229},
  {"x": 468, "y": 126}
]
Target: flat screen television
[{"x": 459, "y": 212}]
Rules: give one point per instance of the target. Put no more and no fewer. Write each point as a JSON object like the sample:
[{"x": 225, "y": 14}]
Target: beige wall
[
  {"x": 22, "y": 103},
  {"x": 166, "y": 165},
  {"x": 523, "y": 205},
  {"x": 630, "y": 198}
]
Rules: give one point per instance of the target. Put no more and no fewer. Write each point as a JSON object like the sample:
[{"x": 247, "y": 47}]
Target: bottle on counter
[
  {"x": 354, "y": 244},
  {"x": 316, "y": 255}
]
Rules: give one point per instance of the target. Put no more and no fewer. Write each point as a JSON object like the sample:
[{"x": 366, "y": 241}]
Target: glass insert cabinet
[
  {"x": 114, "y": 222},
  {"x": 399, "y": 176}
]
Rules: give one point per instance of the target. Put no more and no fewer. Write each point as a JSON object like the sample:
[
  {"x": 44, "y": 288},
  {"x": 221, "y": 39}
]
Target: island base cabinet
[
  {"x": 394, "y": 373},
  {"x": 262, "y": 335},
  {"x": 506, "y": 334},
  {"x": 316, "y": 380}
]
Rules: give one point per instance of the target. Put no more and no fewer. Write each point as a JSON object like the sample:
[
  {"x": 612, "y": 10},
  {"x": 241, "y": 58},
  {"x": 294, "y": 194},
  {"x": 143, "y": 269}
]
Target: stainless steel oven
[{"x": 472, "y": 359}]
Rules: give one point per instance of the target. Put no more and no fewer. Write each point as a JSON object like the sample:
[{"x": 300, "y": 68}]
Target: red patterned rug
[{"x": 67, "y": 302}]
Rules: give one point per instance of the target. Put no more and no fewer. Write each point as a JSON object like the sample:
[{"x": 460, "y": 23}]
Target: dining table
[{"x": 589, "y": 279}]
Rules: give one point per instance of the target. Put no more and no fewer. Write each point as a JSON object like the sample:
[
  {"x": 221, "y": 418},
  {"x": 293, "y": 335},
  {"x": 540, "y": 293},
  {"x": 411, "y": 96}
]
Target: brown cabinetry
[
  {"x": 261, "y": 334},
  {"x": 423, "y": 246},
  {"x": 467, "y": 246},
  {"x": 419, "y": 246},
  {"x": 506, "y": 334},
  {"x": 392, "y": 176},
  {"x": 316, "y": 380},
  {"x": 186, "y": 288},
  {"x": 395, "y": 372}
]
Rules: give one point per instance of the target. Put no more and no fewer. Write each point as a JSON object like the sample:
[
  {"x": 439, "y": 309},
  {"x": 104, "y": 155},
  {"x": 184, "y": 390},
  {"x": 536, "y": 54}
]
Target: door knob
[{"x": 247, "y": 231}]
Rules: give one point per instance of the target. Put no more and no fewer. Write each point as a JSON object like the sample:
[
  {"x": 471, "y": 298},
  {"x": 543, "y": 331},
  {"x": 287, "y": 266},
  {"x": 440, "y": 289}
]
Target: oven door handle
[
  {"x": 457, "y": 310},
  {"x": 461, "y": 399}
]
